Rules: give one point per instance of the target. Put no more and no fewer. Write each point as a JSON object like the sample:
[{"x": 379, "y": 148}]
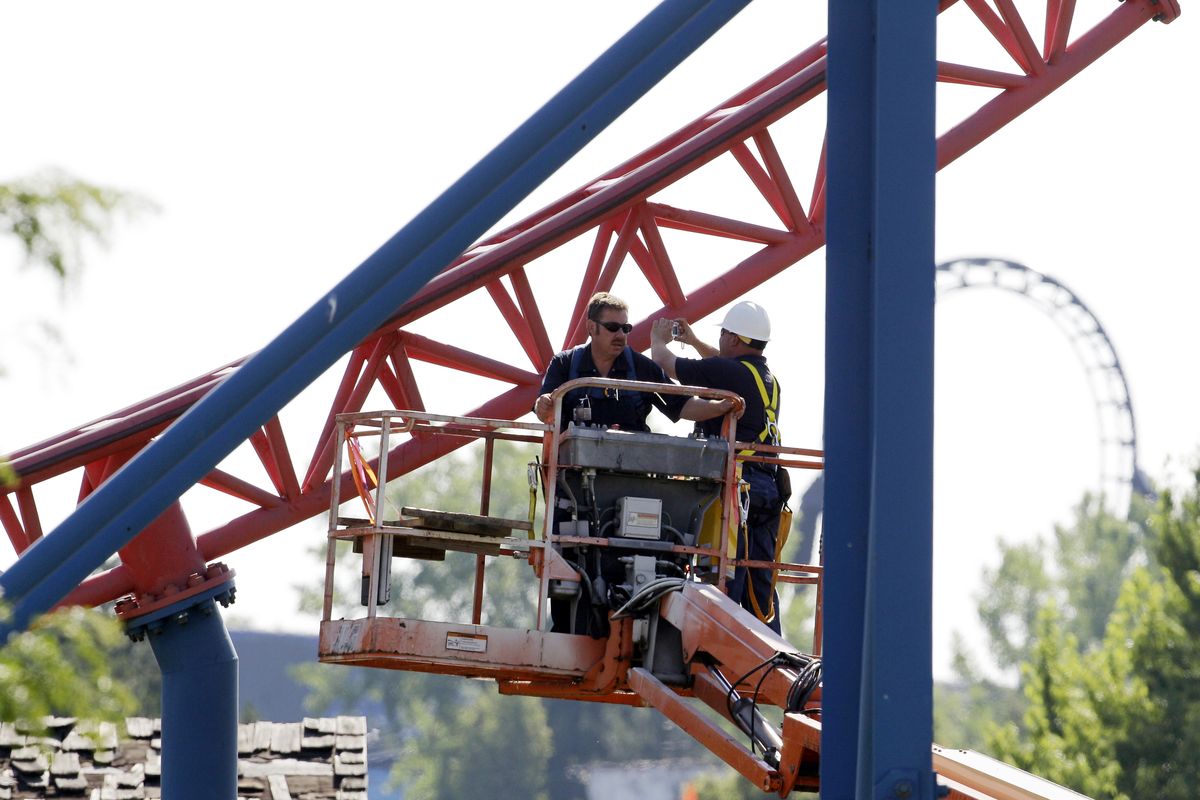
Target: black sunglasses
[{"x": 613, "y": 327}]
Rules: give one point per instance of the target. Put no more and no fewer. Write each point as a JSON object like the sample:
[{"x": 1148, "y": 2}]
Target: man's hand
[
  {"x": 689, "y": 337},
  {"x": 543, "y": 408},
  {"x": 660, "y": 337},
  {"x": 685, "y": 332},
  {"x": 726, "y": 404},
  {"x": 660, "y": 332}
]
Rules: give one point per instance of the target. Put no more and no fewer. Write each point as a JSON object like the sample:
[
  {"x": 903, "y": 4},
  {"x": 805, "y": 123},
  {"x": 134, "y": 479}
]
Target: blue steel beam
[
  {"x": 191, "y": 447},
  {"x": 878, "y": 691}
]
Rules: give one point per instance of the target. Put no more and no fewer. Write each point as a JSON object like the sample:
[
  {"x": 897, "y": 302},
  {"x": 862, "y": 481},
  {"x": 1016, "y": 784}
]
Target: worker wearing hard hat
[{"x": 737, "y": 364}]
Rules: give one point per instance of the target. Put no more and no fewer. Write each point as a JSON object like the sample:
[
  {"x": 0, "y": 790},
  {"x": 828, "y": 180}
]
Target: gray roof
[{"x": 316, "y": 759}]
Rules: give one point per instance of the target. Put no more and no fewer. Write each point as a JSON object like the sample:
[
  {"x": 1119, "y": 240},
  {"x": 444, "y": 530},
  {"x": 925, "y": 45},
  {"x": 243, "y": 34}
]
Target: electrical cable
[
  {"x": 676, "y": 534},
  {"x": 647, "y": 595},
  {"x": 808, "y": 678}
]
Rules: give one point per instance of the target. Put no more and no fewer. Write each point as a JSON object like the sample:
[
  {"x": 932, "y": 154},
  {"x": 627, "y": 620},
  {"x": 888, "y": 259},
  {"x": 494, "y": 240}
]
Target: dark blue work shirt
[
  {"x": 613, "y": 407},
  {"x": 731, "y": 375}
]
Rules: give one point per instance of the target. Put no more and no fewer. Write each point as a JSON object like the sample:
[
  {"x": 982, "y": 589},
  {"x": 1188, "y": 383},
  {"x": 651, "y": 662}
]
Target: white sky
[{"x": 285, "y": 141}]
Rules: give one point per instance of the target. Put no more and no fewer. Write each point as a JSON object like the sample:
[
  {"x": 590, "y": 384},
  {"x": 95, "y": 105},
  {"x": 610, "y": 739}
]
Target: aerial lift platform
[{"x": 661, "y": 510}]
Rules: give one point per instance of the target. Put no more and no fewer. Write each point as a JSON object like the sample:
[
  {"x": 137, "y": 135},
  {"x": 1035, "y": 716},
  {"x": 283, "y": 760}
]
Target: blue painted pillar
[
  {"x": 878, "y": 692},
  {"x": 199, "y": 694}
]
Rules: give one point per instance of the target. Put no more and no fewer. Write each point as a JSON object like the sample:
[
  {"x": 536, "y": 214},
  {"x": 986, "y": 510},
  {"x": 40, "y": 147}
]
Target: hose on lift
[
  {"x": 647, "y": 596},
  {"x": 745, "y": 711}
]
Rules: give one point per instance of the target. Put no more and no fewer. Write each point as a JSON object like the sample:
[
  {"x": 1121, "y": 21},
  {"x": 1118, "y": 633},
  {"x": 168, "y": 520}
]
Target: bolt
[
  {"x": 182, "y": 617},
  {"x": 902, "y": 790}
]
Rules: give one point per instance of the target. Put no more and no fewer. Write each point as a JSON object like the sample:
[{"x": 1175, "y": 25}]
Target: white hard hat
[{"x": 748, "y": 319}]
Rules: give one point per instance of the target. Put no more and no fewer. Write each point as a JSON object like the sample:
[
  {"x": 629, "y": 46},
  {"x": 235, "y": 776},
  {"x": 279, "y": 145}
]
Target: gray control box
[
  {"x": 639, "y": 517},
  {"x": 642, "y": 453}
]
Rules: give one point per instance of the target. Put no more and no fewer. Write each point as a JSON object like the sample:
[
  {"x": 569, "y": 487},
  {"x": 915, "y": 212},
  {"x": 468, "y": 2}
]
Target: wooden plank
[
  {"x": 320, "y": 724},
  {"x": 352, "y": 748},
  {"x": 344, "y": 768},
  {"x": 262, "y": 735},
  {"x": 279, "y": 787},
  {"x": 352, "y": 726},
  {"x": 139, "y": 727},
  {"x": 285, "y": 739},
  {"x": 324, "y": 742},
  {"x": 454, "y": 522},
  {"x": 245, "y": 740}
]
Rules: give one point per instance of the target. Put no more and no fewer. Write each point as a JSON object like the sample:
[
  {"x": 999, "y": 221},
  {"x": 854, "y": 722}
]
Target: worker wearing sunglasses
[{"x": 607, "y": 354}]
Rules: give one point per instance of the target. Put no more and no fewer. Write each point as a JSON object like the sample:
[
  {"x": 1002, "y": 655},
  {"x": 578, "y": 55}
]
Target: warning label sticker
[{"x": 466, "y": 642}]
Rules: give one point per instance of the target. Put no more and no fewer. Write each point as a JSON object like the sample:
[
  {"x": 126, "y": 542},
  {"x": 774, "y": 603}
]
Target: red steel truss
[{"x": 621, "y": 217}]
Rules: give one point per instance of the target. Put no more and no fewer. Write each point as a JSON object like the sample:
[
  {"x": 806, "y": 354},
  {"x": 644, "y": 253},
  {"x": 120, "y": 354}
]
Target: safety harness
[
  {"x": 631, "y": 398},
  {"x": 770, "y": 432},
  {"x": 768, "y": 435}
]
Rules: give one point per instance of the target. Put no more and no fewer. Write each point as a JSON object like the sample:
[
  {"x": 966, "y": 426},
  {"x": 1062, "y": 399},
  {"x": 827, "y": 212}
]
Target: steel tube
[{"x": 199, "y": 704}]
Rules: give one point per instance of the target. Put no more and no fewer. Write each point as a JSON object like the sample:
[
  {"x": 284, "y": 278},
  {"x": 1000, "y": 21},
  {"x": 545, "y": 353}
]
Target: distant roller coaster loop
[{"x": 1120, "y": 475}]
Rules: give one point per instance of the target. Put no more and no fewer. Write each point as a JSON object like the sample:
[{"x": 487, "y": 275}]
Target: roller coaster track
[
  {"x": 618, "y": 219},
  {"x": 1119, "y": 476}
]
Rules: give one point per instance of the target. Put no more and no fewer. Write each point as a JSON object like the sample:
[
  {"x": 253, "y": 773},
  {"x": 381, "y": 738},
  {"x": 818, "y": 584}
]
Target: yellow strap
[
  {"x": 785, "y": 527},
  {"x": 362, "y": 472},
  {"x": 770, "y": 411},
  {"x": 770, "y": 404}
]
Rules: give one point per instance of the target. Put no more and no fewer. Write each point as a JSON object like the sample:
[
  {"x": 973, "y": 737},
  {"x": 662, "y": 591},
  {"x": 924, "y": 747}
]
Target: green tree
[
  {"x": 62, "y": 666},
  {"x": 491, "y": 746},
  {"x": 1080, "y": 572},
  {"x": 1063, "y": 738},
  {"x": 967, "y": 709},
  {"x": 51, "y": 214},
  {"x": 1120, "y": 718},
  {"x": 1159, "y": 753}
]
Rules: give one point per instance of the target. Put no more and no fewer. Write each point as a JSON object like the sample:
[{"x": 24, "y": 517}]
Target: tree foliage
[
  {"x": 1118, "y": 716},
  {"x": 1078, "y": 573},
  {"x": 1081, "y": 572},
  {"x": 62, "y": 666},
  {"x": 51, "y": 214}
]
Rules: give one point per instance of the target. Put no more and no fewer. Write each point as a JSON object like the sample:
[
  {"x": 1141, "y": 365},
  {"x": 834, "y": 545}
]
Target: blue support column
[
  {"x": 199, "y": 695},
  {"x": 226, "y": 417},
  {"x": 878, "y": 688}
]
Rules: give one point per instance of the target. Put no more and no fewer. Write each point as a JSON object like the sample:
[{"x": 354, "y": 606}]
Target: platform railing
[{"x": 378, "y": 534}]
